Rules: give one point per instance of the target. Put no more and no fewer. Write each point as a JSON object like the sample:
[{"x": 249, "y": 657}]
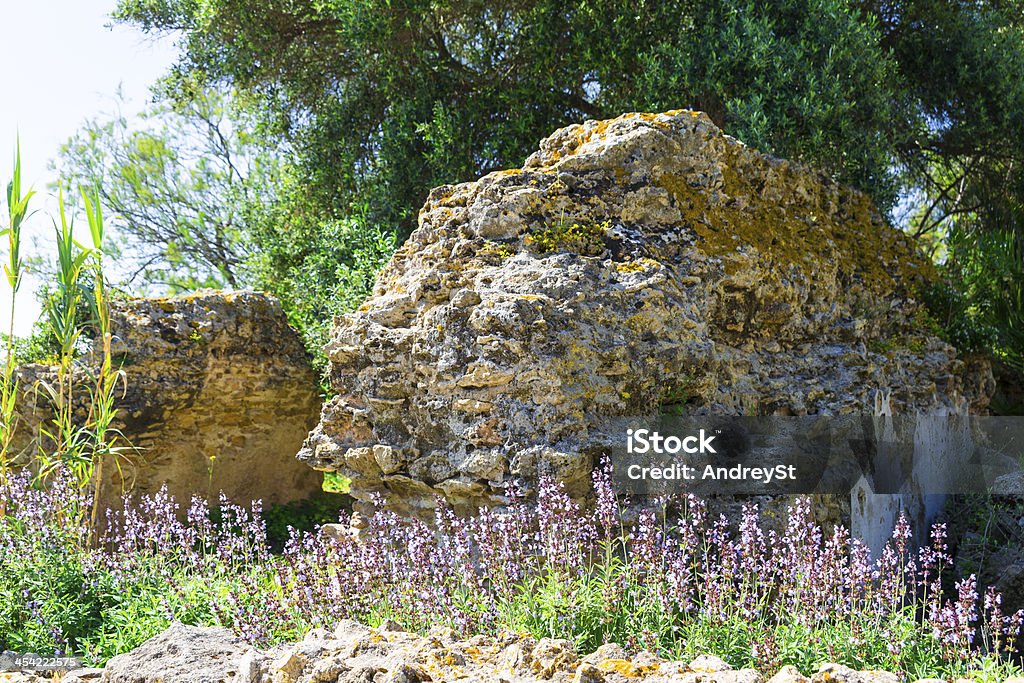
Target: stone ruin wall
[
  {"x": 219, "y": 397},
  {"x": 629, "y": 264}
]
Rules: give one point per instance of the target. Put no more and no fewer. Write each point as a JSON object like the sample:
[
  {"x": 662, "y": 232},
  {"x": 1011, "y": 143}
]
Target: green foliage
[
  {"x": 68, "y": 439},
  {"x": 705, "y": 591},
  {"x": 62, "y": 309},
  {"x": 989, "y": 532},
  {"x": 981, "y": 305},
  {"x": 384, "y": 101},
  {"x": 182, "y": 188},
  {"x": 883, "y": 346},
  {"x": 676, "y": 396},
  {"x": 336, "y": 483},
  {"x": 580, "y": 608},
  {"x": 17, "y": 208},
  {"x": 962, "y": 62},
  {"x": 66, "y": 601},
  {"x": 967, "y": 205},
  {"x": 58, "y": 597},
  {"x": 37, "y": 347},
  {"x": 808, "y": 80},
  {"x": 319, "y": 269},
  {"x": 302, "y": 515},
  {"x": 496, "y": 250}
]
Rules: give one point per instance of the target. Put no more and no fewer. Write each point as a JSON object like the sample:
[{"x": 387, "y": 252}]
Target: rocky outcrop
[
  {"x": 218, "y": 396},
  {"x": 631, "y": 265},
  {"x": 182, "y": 653},
  {"x": 354, "y": 653}
]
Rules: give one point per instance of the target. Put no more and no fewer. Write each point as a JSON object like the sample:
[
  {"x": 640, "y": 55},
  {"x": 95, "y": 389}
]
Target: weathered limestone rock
[
  {"x": 353, "y": 652},
  {"x": 788, "y": 674},
  {"x": 183, "y": 654},
  {"x": 219, "y": 397},
  {"x": 632, "y": 263},
  {"x": 844, "y": 674},
  {"x": 709, "y": 664}
]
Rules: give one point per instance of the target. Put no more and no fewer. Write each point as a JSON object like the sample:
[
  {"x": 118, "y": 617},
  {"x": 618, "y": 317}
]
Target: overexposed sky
[{"x": 61, "y": 63}]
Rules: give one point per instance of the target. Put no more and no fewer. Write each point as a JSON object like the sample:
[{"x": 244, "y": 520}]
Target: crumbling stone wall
[
  {"x": 631, "y": 263},
  {"x": 219, "y": 397}
]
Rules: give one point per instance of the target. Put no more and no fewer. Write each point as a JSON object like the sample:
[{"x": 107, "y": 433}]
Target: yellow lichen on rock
[{"x": 626, "y": 668}]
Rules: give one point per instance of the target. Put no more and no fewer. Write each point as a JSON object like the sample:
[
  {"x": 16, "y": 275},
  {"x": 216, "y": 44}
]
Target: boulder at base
[
  {"x": 354, "y": 653},
  {"x": 184, "y": 654},
  {"x": 631, "y": 264}
]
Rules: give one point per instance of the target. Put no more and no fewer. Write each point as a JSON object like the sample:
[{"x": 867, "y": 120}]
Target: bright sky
[{"x": 61, "y": 63}]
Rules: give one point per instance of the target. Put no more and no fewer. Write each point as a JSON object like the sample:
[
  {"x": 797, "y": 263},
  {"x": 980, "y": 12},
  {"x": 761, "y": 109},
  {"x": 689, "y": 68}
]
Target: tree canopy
[
  {"x": 182, "y": 188},
  {"x": 918, "y": 102},
  {"x": 385, "y": 100}
]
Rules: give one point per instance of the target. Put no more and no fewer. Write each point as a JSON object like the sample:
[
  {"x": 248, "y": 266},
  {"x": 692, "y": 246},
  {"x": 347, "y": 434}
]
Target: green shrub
[
  {"x": 303, "y": 515},
  {"x": 320, "y": 270}
]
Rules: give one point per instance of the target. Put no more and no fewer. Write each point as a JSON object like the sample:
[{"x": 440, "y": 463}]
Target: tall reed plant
[
  {"x": 79, "y": 436},
  {"x": 106, "y": 379},
  {"x": 17, "y": 209},
  {"x": 64, "y": 442}
]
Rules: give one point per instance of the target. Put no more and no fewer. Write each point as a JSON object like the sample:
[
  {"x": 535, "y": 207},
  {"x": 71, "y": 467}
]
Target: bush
[
  {"x": 319, "y": 270},
  {"x": 61, "y": 595}
]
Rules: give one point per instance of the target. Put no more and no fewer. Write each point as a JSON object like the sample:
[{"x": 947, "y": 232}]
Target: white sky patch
[{"x": 62, "y": 63}]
